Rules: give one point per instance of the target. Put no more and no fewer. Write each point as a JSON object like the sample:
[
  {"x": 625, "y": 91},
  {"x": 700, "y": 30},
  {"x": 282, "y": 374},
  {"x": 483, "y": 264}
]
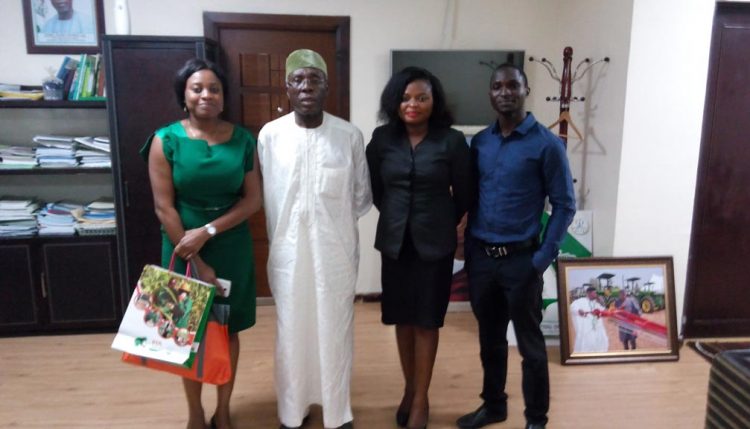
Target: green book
[{"x": 72, "y": 94}]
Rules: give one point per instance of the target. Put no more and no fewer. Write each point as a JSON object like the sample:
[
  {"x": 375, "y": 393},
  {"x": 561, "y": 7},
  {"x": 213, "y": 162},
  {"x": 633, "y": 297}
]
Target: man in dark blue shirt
[{"x": 519, "y": 164}]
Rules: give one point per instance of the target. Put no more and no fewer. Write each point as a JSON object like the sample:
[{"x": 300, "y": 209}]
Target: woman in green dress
[{"x": 206, "y": 185}]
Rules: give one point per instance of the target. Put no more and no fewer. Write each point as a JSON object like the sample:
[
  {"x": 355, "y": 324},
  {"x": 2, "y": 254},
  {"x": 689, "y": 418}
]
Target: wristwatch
[{"x": 210, "y": 229}]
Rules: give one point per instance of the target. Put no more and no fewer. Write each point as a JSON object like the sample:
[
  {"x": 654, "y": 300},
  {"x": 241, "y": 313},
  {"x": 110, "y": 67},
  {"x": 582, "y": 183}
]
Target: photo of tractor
[{"x": 650, "y": 295}]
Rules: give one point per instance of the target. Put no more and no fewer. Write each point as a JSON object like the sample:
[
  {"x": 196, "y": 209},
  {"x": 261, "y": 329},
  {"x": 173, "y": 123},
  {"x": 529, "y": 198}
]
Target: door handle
[
  {"x": 44, "y": 286},
  {"x": 126, "y": 192}
]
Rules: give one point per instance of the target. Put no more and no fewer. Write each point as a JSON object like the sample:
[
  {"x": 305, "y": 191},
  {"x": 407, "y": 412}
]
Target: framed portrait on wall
[
  {"x": 63, "y": 26},
  {"x": 617, "y": 310}
]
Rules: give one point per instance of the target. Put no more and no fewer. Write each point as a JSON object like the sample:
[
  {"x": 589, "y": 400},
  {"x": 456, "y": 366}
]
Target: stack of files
[
  {"x": 49, "y": 140},
  {"x": 9, "y": 91},
  {"x": 91, "y": 154},
  {"x": 21, "y": 94},
  {"x": 55, "y": 151},
  {"x": 96, "y": 218},
  {"x": 97, "y": 143},
  {"x": 12, "y": 157},
  {"x": 17, "y": 217},
  {"x": 57, "y": 219},
  {"x": 102, "y": 206}
]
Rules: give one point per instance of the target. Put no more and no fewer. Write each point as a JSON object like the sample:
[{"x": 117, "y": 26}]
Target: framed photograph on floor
[
  {"x": 617, "y": 310},
  {"x": 63, "y": 26}
]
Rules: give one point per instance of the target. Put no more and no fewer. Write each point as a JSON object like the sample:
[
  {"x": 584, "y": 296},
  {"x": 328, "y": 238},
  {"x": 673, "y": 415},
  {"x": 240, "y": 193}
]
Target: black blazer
[{"x": 429, "y": 189}]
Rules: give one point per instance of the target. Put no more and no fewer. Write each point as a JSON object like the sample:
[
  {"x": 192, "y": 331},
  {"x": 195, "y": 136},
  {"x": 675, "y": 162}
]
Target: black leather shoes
[
  {"x": 347, "y": 425},
  {"x": 535, "y": 426},
  {"x": 480, "y": 418}
]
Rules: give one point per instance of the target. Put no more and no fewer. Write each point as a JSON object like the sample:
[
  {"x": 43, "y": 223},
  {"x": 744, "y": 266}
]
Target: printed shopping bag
[
  {"x": 166, "y": 316},
  {"x": 211, "y": 363}
]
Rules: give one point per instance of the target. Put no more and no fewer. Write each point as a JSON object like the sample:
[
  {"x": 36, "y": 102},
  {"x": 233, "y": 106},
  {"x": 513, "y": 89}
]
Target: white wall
[
  {"x": 662, "y": 130},
  {"x": 596, "y": 29},
  {"x": 542, "y": 28}
]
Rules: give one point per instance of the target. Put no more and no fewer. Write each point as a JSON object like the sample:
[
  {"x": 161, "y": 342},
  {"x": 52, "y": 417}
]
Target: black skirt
[{"x": 415, "y": 292}]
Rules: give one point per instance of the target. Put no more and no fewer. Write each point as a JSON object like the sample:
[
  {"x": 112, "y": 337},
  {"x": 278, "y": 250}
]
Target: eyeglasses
[{"x": 299, "y": 81}]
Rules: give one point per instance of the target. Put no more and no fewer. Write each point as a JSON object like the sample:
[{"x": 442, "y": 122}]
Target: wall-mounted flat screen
[{"x": 465, "y": 76}]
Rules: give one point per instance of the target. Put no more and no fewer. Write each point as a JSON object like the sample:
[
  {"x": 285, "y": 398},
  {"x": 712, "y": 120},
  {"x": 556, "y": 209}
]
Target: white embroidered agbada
[
  {"x": 316, "y": 186},
  {"x": 590, "y": 333}
]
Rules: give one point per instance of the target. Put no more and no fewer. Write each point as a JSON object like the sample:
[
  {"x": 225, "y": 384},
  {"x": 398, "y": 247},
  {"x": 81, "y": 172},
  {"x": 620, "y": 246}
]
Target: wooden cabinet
[
  {"x": 79, "y": 282},
  {"x": 59, "y": 284},
  {"x": 18, "y": 306},
  {"x": 141, "y": 99}
]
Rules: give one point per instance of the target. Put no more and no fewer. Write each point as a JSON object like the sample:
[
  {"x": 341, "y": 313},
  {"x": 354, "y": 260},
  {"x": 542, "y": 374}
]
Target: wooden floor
[{"x": 79, "y": 382}]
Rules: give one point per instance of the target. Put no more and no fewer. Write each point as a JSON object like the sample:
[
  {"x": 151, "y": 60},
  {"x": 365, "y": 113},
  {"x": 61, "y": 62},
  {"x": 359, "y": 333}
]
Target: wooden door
[
  {"x": 254, "y": 48},
  {"x": 716, "y": 293}
]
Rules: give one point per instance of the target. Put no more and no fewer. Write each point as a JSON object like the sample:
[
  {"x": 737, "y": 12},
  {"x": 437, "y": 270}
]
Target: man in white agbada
[
  {"x": 315, "y": 186},
  {"x": 590, "y": 333}
]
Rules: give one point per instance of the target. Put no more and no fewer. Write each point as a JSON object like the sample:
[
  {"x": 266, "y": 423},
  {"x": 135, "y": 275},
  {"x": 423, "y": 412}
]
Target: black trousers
[{"x": 501, "y": 290}]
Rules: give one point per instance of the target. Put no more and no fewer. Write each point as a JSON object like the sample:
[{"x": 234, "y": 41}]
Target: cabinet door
[
  {"x": 80, "y": 285},
  {"x": 18, "y": 311},
  {"x": 140, "y": 99}
]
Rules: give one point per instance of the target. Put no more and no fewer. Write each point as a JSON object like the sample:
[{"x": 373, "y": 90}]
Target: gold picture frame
[
  {"x": 617, "y": 310},
  {"x": 63, "y": 26}
]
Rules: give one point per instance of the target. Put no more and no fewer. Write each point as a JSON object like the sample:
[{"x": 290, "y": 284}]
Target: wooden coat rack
[{"x": 566, "y": 84}]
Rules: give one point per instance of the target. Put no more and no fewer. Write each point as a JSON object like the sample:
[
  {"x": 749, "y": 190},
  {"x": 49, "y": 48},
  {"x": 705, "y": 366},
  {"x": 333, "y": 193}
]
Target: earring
[{"x": 184, "y": 108}]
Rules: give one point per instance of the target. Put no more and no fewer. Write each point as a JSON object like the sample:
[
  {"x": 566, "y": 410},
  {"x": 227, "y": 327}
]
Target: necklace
[
  {"x": 191, "y": 132},
  {"x": 210, "y": 135},
  {"x": 198, "y": 134}
]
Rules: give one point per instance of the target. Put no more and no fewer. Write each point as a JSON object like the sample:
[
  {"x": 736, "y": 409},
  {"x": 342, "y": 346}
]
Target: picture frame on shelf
[
  {"x": 63, "y": 26},
  {"x": 617, "y": 310}
]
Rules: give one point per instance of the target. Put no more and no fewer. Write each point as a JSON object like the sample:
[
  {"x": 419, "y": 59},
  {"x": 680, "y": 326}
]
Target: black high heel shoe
[
  {"x": 213, "y": 422},
  {"x": 402, "y": 418},
  {"x": 424, "y": 426}
]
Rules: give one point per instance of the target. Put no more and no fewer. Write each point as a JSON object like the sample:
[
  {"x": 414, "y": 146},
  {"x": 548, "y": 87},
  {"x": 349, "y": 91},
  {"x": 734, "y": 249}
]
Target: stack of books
[
  {"x": 96, "y": 218},
  {"x": 56, "y": 219},
  {"x": 83, "y": 79},
  {"x": 55, "y": 151},
  {"x": 17, "y": 217},
  {"x": 12, "y": 157},
  {"x": 93, "y": 152}
]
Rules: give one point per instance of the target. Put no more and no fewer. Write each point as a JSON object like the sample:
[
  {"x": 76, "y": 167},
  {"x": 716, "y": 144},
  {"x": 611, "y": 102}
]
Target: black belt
[{"x": 502, "y": 250}]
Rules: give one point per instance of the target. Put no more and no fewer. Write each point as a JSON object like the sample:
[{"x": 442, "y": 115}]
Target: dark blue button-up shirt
[{"x": 516, "y": 174}]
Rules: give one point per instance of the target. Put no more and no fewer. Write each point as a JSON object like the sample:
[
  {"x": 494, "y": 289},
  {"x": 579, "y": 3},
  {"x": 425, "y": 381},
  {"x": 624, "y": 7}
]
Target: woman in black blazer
[{"x": 421, "y": 184}]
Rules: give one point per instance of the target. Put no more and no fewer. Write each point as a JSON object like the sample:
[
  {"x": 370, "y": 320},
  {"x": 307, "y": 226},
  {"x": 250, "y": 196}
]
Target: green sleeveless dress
[{"x": 208, "y": 182}]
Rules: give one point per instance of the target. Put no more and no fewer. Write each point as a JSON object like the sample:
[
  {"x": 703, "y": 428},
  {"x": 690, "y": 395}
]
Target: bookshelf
[
  {"x": 57, "y": 284},
  {"x": 83, "y": 283}
]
